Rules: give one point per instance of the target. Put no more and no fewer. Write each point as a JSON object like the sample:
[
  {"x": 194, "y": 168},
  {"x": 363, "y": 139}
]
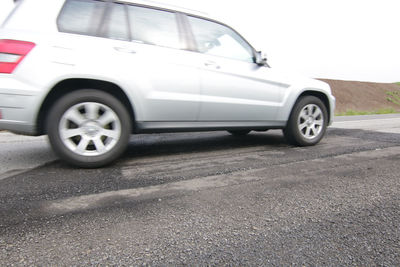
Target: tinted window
[
  {"x": 116, "y": 24},
  {"x": 156, "y": 27},
  {"x": 80, "y": 16},
  {"x": 218, "y": 40}
]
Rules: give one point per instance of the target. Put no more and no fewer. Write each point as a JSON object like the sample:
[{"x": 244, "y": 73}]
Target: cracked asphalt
[{"x": 208, "y": 199}]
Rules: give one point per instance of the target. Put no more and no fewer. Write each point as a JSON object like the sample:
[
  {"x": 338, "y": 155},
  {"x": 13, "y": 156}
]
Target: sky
[{"x": 334, "y": 39}]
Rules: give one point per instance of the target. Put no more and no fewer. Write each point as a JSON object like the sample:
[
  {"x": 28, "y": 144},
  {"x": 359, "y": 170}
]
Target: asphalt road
[{"x": 208, "y": 199}]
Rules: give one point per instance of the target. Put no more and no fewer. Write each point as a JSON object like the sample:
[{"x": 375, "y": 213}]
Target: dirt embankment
[{"x": 364, "y": 96}]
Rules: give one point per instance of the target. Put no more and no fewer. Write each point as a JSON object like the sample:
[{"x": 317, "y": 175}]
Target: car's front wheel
[
  {"x": 307, "y": 123},
  {"x": 89, "y": 128}
]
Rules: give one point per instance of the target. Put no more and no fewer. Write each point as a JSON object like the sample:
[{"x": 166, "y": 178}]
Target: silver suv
[{"x": 90, "y": 73}]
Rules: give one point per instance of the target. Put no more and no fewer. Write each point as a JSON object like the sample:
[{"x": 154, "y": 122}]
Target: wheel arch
[
  {"x": 74, "y": 84},
  {"x": 310, "y": 92},
  {"x": 323, "y": 97}
]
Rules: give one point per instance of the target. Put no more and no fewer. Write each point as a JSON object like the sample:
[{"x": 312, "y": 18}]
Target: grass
[
  {"x": 393, "y": 97},
  {"x": 355, "y": 112}
]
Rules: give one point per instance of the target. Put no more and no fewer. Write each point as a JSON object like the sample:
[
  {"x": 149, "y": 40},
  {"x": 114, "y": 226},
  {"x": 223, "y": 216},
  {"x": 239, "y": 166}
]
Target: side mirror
[{"x": 261, "y": 59}]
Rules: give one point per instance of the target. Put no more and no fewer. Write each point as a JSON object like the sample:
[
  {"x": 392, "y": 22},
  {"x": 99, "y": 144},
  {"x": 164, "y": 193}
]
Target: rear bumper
[
  {"x": 18, "y": 127},
  {"x": 19, "y": 104}
]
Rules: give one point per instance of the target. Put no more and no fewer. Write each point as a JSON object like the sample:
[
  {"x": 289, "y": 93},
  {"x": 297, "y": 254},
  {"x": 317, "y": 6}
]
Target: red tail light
[{"x": 12, "y": 52}]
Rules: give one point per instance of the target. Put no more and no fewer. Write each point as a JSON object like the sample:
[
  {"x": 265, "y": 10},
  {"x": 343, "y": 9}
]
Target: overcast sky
[{"x": 337, "y": 39}]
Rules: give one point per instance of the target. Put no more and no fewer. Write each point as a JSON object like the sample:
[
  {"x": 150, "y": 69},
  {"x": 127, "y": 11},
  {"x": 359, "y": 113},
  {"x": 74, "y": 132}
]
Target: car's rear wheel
[
  {"x": 239, "y": 132},
  {"x": 89, "y": 128},
  {"x": 307, "y": 123}
]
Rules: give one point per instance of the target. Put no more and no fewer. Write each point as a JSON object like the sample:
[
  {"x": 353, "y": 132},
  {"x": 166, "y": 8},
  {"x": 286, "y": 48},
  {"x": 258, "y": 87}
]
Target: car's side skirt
[{"x": 183, "y": 126}]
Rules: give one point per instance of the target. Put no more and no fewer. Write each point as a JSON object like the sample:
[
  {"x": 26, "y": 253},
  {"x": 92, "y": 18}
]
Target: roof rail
[{"x": 171, "y": 6}]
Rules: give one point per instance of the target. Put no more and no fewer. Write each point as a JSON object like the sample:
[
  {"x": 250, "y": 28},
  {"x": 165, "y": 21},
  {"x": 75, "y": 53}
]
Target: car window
[
  {"x": 218, "y": 40},
  {"x": 155, "y": 27},
  {"x": 80, "y": 16},
  {"x": 116, "y": 24}
]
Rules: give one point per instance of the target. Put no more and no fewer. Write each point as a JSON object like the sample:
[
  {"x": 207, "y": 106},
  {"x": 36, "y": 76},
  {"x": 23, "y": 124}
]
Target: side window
[
  {"x": 80, "y": 16},
  {"x": 218, "y": 40},
  {"x": 155, "y": 27},
  {"x": 116, "y": 24}
]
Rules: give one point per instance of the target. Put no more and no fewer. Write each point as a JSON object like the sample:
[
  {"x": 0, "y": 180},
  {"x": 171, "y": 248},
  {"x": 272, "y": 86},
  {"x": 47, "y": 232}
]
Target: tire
[
  {"x": 307, "y": 123},
  {"x": 88, "y": 128},
  {"x": 239, "y": 132}
]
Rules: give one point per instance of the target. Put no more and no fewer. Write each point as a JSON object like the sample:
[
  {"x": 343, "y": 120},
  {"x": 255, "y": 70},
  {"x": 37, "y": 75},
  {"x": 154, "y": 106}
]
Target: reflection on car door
[
  {"x": 234, "y": 88},
  {"x": 167, "y": 80}
]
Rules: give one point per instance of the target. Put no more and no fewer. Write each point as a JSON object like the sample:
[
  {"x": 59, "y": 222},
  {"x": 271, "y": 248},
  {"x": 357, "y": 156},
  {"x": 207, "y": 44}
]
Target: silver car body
[{"x": 168, "y": 89}]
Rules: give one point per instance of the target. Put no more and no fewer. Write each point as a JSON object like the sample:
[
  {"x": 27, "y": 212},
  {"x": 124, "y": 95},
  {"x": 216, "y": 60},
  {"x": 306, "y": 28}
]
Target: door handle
[
  {"x": 212, "y": 64},
  {"x": 125, "y": 50}
]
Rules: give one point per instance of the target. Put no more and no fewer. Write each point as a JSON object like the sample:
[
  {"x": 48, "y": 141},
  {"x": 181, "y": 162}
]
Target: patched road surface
[{"x": 208, "y": 199}]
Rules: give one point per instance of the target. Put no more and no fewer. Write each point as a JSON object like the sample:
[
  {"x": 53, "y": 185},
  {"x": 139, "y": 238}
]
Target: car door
[
  {"x": 158, "y": 69},
  {"x": 234, "y": 88}
]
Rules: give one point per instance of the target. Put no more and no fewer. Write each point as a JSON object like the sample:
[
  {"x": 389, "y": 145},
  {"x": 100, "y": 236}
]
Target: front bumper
[{"x": 332, "y": 105}]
